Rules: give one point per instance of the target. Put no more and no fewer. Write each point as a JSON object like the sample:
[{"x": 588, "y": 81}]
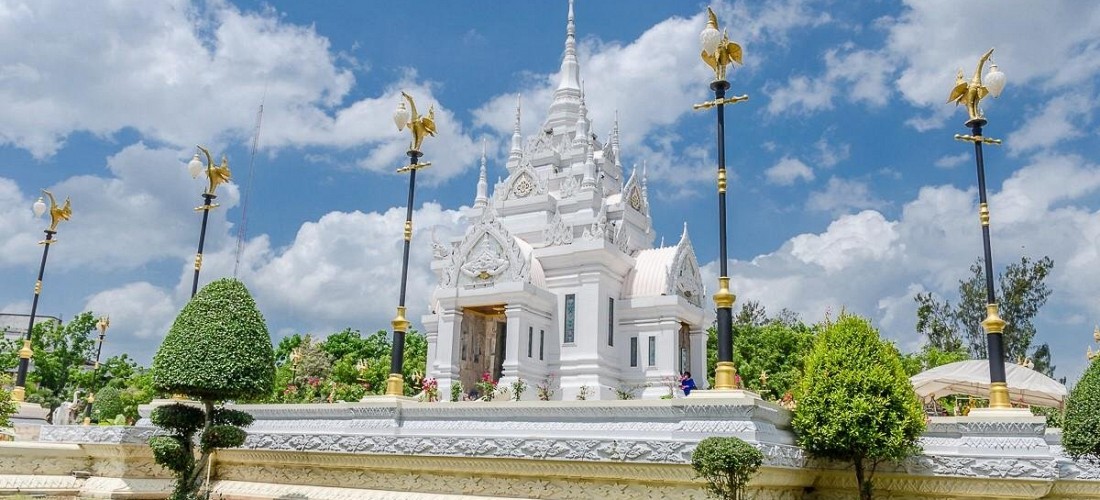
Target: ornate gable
[
  {"x": 488, "y": 254},
  {"x": 684, "y": 278},
  {"x": 634, "y": 195},
  {"x": 522, "y": 182}
]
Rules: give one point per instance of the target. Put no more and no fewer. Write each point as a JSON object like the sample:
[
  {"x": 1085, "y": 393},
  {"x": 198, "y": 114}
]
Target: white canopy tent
[{"x": 1025, "y": 385}]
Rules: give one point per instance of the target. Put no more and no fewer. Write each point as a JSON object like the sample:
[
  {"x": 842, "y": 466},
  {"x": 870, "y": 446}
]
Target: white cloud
[
  {"x": 934, "y": 38},
  {"x": 828, "y": 155},
  {"x": 146, "y": 310},
  {"x": 200, "y": 74},
  {"x": 787, "y": 171},
  {"x": 849, "y": 239},
  {"x": 1062, "y": 118},
  {"x": 842, "y": 195},
  {"x": 952, "y": 161},
  {"x": 874, "y": 266},
  {"x": 858, "y": 75},
  {"x": 345, "y": 268}
]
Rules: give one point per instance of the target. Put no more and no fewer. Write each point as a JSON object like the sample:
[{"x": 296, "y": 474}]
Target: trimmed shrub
[
  {"x": 856, "y": 403},
  {"x": 1081, "y": 424},
  {"x": 218, "y": 347},
  {"x": 727, "y": 464},
  {"x": 108, "y": 404}
]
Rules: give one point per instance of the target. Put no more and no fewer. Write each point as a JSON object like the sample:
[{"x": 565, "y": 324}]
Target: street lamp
[
  {"x": 970, "y": 95},
  {"x": 420, "y": 127},
  {"x": 215, "y": 175},
  {"x": 57, "y": 214},
  {"x": 719, "y": 52},
  {"x": 101, "y": 325}
]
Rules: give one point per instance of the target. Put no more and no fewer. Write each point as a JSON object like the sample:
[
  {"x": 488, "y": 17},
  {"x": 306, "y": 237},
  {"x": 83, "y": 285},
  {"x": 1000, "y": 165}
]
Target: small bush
[
  {"x": 222, "y": 436},
  {"x": 1081, "y": 424},
  {"x": 170, "y": 452},
  {"x": 456, "y": 390},
  {"x": 108, "y": 404},
  {"x": 727, "y": 464},
  {"x": 181, "y": 419}
]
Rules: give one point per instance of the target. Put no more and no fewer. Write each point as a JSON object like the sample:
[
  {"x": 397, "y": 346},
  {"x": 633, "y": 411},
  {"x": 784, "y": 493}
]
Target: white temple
[{"x": 557, "y": 277}]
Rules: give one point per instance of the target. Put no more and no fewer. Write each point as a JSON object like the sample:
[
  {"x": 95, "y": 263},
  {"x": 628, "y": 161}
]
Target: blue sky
[{"x": 848, "y": 190}]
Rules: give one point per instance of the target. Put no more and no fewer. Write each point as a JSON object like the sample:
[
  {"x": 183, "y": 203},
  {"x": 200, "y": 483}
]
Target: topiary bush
[
  {"x": 727, "y": 464},
  {"x": 218, "y": 349},
  {"x": 856, "y": 403},
  {"x": 108, "y": 404},
  {"x": 1081, "y": 424}
]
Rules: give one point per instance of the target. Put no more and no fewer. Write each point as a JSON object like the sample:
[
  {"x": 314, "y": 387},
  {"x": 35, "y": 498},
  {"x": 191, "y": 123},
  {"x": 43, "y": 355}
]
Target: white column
[
  {"x": 444, "y": 362},
  {"x": 698, "y": 343}
]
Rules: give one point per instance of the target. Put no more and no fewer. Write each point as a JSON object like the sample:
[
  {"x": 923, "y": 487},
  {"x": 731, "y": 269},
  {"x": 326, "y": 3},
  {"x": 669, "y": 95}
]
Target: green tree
[
  {"x": 930, "y": 357},
  {"x": 1081, "y": 424},
  {"x": 774, "y": 346},
  {"x": 727, "y": 464},
  {"x": 108, "y": 404},
  {"x": 9, "y": 354},
  {"x": 7, "y": 406},
  {"x": 1022, "y": 292},
  {"x": 218, "y": 349},
  {"x": 856, "y": 402},
  {"x": 769, "y": 357},
  {"x": 60, "y": 354}
]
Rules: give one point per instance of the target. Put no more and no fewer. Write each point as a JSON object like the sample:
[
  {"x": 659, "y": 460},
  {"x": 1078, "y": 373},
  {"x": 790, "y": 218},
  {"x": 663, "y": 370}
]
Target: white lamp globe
[
  {"x": 995, "y": 81},
  {"x": 401, "y": 116},
  {"x": 195, "y": 166},
  {"x": 39, "y": 207},
  {"x": 710, "y": 38}
]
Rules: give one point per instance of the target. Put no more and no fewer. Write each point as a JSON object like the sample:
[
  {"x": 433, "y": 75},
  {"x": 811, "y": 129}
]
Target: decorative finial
[
  {"x": 718, "y": 51},
  {"x": 482, "y": 197},
  {"x": 58, "y": 213},
  {"x": 971, "y": 93}
]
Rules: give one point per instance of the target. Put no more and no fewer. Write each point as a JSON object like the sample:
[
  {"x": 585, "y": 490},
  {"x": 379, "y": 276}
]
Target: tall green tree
[
  {"x": 7, "y": 406},
  {"x": 772, "y": 346},
  {"x": 1021, "y": 293},
  {"x": 60, "y": 354},
  {"x": 856, "y": 403},
  {"x": 218, "y": 349}
]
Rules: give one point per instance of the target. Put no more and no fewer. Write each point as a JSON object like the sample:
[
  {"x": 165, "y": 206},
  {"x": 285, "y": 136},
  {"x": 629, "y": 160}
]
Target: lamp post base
[
  {"x": 724, "y": 376},
  {"x": 395, "y": 385},
  {"x": 723, "y": 394}
]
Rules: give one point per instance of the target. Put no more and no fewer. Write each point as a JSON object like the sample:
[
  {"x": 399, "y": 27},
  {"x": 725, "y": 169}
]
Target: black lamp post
[
  {"x": 215, "y": 174},
  {"x": 970, "y": 94},
  {"x": 101, "y": 325},
  {"x": 719, "y": 52},
  {"x": 420, "y": 127},
  {"x": 57, "y": 214}
]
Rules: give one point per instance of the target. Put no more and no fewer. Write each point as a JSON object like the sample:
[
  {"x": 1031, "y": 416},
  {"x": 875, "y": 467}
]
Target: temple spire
[
  {"x": 589, "y": 180},
  {"x": 570, "y": 68},
  {"x": 482, "y": 198},
  {"x": 564, "y": 108},
  {"x": 516, "y": 153},
  {"x": 581, "y": 139}
]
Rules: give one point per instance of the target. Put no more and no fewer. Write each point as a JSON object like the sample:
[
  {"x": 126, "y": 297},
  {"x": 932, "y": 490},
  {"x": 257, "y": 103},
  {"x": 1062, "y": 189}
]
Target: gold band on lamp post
[
  {"x": 993, "y": 324},
  {"x": 395, "y": 383},
  {"x": 725, "y": 371}
]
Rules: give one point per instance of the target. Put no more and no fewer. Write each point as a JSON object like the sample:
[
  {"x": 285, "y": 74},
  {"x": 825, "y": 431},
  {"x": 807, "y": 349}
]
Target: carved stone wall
[{"x": 394, "y": 448}]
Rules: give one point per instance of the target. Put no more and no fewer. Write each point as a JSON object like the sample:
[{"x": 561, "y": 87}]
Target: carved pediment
[
  {"x": 684, "y": 278},
  {"x": 488, "y": 254},
  {"x": 524, "y": 181}
]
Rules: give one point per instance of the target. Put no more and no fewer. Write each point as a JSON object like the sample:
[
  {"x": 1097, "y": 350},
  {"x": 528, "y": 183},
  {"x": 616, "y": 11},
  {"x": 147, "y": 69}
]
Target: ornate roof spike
[
  {"x": 567, "y": 95},
  {"x": 516, "y": 153},
  {"x": 571, "y": 74},
  {"x": 684, "y": 235},
  {"x": 589, "y": 179},
  {"x": 581, "y": 139},
  {"x": 482, "y": 198}
]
